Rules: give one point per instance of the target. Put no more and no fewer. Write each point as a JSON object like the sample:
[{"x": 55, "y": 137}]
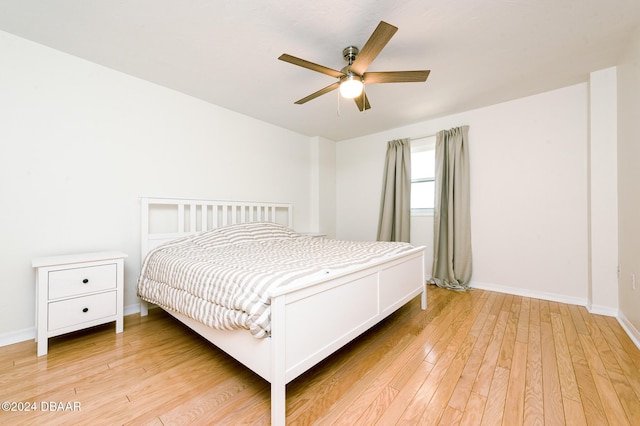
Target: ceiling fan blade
[
  {"x": 362, "y": 102},
  {"x": 378, "y": 40},
  {"x": 320, "y": 92},
  {"x": 396, "y": 76},
  {"x": 310, "y": 65}
]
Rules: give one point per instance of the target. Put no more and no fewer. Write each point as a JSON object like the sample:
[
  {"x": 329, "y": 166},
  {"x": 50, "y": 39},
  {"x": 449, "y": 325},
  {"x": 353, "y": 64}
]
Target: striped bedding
[{"x": 223, "y": 277}]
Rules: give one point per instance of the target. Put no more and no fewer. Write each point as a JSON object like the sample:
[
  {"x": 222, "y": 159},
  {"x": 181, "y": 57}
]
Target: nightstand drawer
[
  {"x": 78, "y": 281},
  {"x": 70, "y": 312}
]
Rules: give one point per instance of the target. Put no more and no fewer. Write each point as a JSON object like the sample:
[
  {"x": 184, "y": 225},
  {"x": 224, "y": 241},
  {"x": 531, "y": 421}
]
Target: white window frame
[{"x": 419, "y": 145}]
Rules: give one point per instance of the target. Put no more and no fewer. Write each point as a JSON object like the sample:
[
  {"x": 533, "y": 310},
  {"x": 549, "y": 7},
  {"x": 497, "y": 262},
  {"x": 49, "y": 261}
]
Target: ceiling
[{"x": 225, "y": 52}]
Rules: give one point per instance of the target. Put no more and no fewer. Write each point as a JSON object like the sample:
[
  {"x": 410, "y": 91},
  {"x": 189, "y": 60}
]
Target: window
[{"x": 423, "y": 173}]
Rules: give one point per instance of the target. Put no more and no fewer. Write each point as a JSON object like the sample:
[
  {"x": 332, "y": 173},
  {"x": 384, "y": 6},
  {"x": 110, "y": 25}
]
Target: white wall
[
  {"x": 323, "y": 186},
  {"x": 528, "y": 191},
  {"x": 628, "y": 194},
  {"x": 80, "y": 143},
  {"x": 603, "y": 194}
]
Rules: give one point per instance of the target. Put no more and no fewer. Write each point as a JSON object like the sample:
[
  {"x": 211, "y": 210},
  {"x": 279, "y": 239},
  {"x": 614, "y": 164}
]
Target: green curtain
[
  {"x": 452, "y": 264},
  {"x": 395, "y": 203}
]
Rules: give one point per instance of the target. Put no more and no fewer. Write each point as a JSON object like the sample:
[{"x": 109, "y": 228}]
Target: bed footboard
[
  {"x": 356, "y": 301},
  {"x": 302, "y": 332}
]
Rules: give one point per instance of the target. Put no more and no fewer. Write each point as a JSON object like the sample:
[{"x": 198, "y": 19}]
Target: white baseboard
[
  {"x": 18, "y": 336},
  {"x": 23, "y": 335},
  {"x": 631, "y": 331},
  {"x": 552, "y": 297},
  {"x": 603, "y": 310}
]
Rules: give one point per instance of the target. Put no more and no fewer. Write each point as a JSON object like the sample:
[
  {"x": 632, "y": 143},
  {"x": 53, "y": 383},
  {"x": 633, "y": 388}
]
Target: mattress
[{"x": 224, "y": 277}]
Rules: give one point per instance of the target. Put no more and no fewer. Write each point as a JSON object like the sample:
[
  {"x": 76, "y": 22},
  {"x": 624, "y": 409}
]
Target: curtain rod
[{"x": 423, "y": 137}]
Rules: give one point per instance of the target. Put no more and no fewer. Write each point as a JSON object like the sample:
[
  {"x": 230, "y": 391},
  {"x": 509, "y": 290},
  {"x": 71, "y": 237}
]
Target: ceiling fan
[{"x": 353, "y": 77}]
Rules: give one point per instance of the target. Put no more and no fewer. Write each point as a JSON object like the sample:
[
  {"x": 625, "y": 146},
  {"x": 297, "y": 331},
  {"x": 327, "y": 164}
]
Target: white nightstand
[{"x": 77, "y": 291}]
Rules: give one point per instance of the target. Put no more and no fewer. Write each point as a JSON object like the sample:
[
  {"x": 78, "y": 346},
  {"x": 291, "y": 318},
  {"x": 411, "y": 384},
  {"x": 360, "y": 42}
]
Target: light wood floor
[{"x": 471, "y": 358}]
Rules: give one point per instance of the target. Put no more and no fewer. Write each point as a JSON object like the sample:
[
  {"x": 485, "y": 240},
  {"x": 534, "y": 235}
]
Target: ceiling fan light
[{"x": 351, "y": 86}]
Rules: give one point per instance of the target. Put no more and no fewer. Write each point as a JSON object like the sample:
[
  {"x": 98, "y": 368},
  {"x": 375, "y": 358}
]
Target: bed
[{"x": 286, "y": 331}]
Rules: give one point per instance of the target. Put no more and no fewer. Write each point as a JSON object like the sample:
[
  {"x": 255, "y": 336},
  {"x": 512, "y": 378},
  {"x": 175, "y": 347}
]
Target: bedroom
[{"x": 81, "y": 143}]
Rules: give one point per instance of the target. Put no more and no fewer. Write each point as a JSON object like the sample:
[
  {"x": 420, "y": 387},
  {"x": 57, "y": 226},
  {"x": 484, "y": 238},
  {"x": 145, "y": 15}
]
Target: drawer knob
[
  {"x": 85, "y": 310},
  {"x": 86, "y": 280}
]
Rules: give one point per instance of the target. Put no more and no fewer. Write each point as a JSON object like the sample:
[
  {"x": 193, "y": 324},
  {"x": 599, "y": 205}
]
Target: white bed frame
[{"x": 302, "y": 334}]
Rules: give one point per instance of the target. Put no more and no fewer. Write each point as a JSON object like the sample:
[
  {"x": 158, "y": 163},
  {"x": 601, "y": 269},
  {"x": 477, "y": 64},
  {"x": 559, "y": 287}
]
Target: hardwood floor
[{"x": 471, "y": 358}]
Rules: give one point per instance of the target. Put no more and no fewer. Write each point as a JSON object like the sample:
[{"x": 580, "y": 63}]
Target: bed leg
[
  {"x": 144, "y": 308},
  {"x": 278, "y": 403},
  {"x": 423, "y": 298},
  {"x": 278, "y": 362}
]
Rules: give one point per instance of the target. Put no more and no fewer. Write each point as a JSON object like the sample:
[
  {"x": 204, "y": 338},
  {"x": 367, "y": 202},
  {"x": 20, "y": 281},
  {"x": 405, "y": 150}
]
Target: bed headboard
[{"x": 165, "y": 219}]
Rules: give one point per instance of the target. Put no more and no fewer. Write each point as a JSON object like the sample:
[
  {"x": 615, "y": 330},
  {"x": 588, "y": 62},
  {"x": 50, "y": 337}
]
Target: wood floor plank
[
  {"x": 514, "y": 415},
  {"x": 627, "y": 397},
  {"x": 451, "y": 417},
  {"x": 436, "y": 351},
  {"x": 568, "y": 383},
  {"x": 474, "y": 410},
  {"x": 463, "y": 342},
  {"x": 371, "y": 388},
  {"x": 544, "y": 311},
  {"x": 490, "y": 359},
  {"x": 496, "y": 359},
  {"x": 406, "y": 395},
  {"x": 420, "y": 400},
  {"x": 523, "y": 321},
  {"x": 496, "y": 399},
  {"x": 554, "y": 307},
  {"x": 578, "y": 320},
  {"x": 533, "y": 397},
  {"x": 625, "y": 341},
  {"x": 591, "y": 404},
  {"x": 574, "y": 413},
  {"x": 421, "y": 346},
  {"x": 453, "y": 360},
  {"x": 507, "y": 301},
  {"x": 468, "y": 377},
  {"x": 500, "y": 300},
  {"x": 509, "y": 338},
  {"x": 615, "y": 371},
  {"x": 552, "y": 395},
  {"x": 625, "y": 362},
  {"x": 235, "y": 401},
  {"x": 609, "y": 360},
  {"x": 376, "y": 409},
  {"x": 571, "y": 334},
  {"x": 471, "y": 310},
  {"x": 414, "y": 358},
  {"x": 611, "y": 404},
  {"x": 335, "y": 386}
]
